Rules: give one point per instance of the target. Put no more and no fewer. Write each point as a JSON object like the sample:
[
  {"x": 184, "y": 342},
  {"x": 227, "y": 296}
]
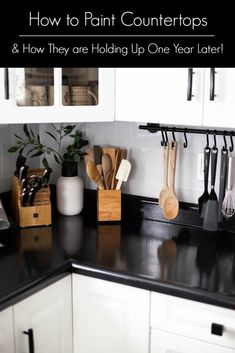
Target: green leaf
[
  {"x": 45, "y": 162},
  {"x": 56, "y": 159},
  {"x": 32, "y": 132},
  {"x": 50, "y": 134},
  {"x": 13, "y": 149},
  {"x": 32, "y": 149},
  {"x": 17, "y": 136},
  {"x": 26, "y": 131},
  {"x": 77, "y": 158},
  {"x": 37, "y": 154},
  {"x": 38, "y": 138},
  {"x": 21, "y": 150},
  {"x": 68, "y": 129}
]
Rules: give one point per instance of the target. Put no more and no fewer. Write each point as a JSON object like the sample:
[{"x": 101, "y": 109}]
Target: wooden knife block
[
  {"x": 108, "y": 205},
  {"x": 28, "y": 216}
]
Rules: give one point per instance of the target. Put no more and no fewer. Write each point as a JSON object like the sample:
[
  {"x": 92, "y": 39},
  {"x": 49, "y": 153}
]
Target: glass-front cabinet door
[
  {"x": 34, "y": 86},
  {"x": 33, "y": 95},
  {"x": 80, "y": 86}
]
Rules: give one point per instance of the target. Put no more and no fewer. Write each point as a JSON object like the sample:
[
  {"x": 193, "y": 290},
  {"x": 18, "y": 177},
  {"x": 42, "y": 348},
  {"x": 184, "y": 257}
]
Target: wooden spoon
[
  {"x": 93, "y": 174},
  {"x": 116, "y": 166},
  {"x": 109, "y": 179},
  {"x": 165, "y": 190},
  {"x": 106, "y": 168},
  {"x": 171, "y": 205},
  {"x": 89, "y": 156}
]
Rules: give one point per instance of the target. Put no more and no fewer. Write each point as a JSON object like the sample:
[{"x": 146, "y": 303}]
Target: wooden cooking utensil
[
  {"x": 171, "y": 205},
  {"x": 123, "y": 153},
  {"x": 165, "y": 190},
  {"x": 89, "y": 156},
  {"x": 112, "y": 152},
  {"x": 98, "y": 158},
  {"x": 106, "y": 168},
  {"x": 116, "y": 166},
  {"x": 93, "y": 174},
  {"x": 109, "y": 179}
]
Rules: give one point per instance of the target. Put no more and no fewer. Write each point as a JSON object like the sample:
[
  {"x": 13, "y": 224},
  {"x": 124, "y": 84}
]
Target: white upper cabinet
[
  {"x": 56, "y": 95},
  {"x": 219, "y": 102},
  {"x": 183, "y": 96},
  {"x": 160, "y": 95}
]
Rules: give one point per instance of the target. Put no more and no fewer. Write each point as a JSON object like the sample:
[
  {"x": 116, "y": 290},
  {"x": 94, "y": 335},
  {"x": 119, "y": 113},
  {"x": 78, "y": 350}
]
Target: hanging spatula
[
  {"x": 210, "y": 221},
  {"x": 205, "y": 196},
  {"x": 123, "y": 172}
]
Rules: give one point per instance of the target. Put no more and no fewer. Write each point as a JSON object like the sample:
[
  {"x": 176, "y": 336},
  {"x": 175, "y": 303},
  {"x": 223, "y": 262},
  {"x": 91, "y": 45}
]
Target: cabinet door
[
  {"x": 109, "y": 317},
  {"x": 159, "y": 95},
  {"x": 6, "y": 331},
  {"x": 40, "y": 95},
  {"x": 163, "y": 342},
  {"x": 49, "y": 314},
  {"x": 219, "y": 112}
]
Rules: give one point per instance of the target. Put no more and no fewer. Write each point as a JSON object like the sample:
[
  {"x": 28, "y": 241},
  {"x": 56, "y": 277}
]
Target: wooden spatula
[{"x": 123, "y": 172}]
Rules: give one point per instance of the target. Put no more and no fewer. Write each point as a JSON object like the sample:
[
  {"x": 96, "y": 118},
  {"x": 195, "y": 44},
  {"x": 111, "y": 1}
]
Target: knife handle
[
  {"x": 24, "y": 197},
  {"x": 32, "y": 196}
]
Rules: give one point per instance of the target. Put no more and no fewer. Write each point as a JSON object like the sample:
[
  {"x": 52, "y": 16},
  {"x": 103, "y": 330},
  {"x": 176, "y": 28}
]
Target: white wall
[
  {"x": 146, "y": 155},
  {"x": 7, "y": 160}
]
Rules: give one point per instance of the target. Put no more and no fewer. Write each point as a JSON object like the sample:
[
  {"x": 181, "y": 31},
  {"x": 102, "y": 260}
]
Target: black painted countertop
[{"x": 171, "y": 258}]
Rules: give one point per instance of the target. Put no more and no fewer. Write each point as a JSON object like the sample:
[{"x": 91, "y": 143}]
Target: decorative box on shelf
[{"x": 28, "y": 215}]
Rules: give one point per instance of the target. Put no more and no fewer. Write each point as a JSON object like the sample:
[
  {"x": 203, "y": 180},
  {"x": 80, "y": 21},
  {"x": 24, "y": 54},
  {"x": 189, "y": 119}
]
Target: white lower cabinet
[
  {"x": 164, "y": 342},
  {"x": 48, "y": 313},
  {"x": 109, "y": 317},
  {"x": 6, "y": 331}
]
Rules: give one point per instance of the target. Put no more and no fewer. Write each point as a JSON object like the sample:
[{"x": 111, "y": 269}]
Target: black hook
[
  {"x": 207, "y": 139},
  {"x": 231, "y": 148},
  {"x": 225, "y": 142},
  {"x": 185, "y": 139},
  {"x": 163, "y": 142},
  {"x": 166, "y": 136},
  {"x": 173, "y": 134},
  {"x": 215, "y": 144}
]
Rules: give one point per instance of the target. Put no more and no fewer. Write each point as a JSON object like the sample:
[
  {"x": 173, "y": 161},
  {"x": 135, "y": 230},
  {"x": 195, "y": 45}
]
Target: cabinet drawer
[
  {"x": 163, "y": 342},
  {"x": 192, "y": 319}
]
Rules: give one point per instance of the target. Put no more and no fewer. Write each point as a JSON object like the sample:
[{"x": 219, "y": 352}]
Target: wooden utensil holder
[
  {"x": 108, "y": 205},
  {"x": 28, "y": 216}
]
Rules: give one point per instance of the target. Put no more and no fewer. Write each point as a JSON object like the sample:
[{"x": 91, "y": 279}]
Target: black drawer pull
[
  {"x": 217, "y": 329},
  {"x": 29, "y": 333}
]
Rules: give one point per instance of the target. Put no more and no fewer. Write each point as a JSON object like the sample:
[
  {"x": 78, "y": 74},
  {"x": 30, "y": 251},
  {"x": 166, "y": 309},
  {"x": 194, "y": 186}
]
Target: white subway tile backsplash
[
  {"x": 146, "y": 155},
  {"x": 144, "y": 152}
]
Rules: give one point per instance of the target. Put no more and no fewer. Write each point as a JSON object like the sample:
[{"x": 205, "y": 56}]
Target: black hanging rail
[
  {"x": 157, "y": 127},
  {"x": 165, "y": 129}
]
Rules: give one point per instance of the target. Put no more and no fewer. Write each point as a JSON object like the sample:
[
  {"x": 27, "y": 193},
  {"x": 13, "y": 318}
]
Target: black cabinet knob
[{"x": 217, "y": 329}]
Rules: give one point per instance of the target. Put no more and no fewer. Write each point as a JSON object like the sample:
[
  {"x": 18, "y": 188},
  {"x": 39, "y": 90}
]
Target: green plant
[{"x": 31, "y": 145}]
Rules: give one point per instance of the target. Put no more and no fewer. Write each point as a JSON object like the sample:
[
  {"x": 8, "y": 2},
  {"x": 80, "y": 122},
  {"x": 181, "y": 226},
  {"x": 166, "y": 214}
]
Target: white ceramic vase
[{"x": 69, "y": 194}]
